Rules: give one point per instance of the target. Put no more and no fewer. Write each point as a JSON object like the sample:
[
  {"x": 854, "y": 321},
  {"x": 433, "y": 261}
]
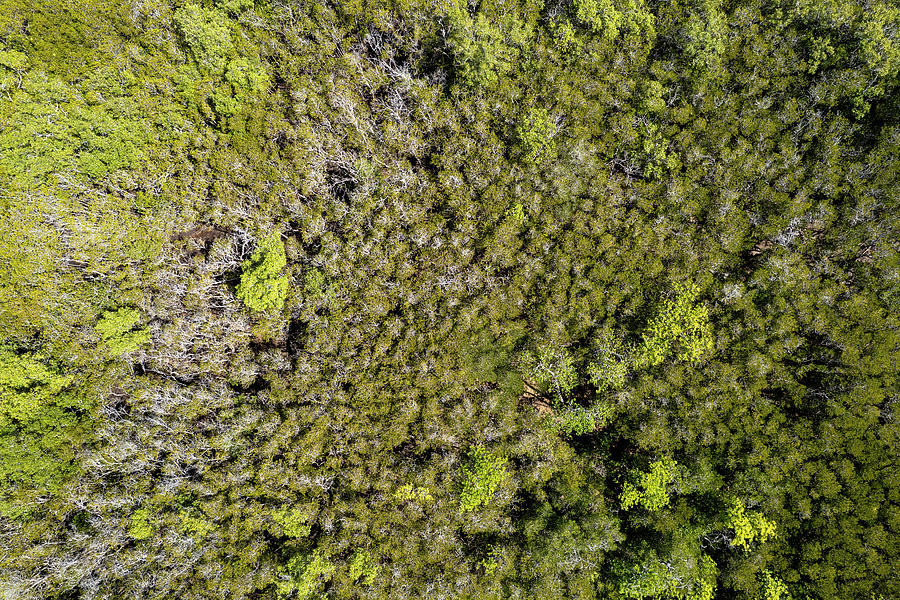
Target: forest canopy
[{"x": 394, "y": 299}]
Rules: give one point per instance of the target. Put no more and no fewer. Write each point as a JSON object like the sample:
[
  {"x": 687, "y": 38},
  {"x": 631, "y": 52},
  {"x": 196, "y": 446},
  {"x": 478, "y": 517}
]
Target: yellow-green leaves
[
  {"x": 610, "y": 18},
  {"x": 297, "y": 520},
  {"x": 55, "y": 129},
  {"x": 307, "y": 575},
  {"x": 39, "y": 431},
  {"x": 749, "y": 527},
  {"x": 491, "y": 562},
  {"x": 706, "y": 34},
  {"x": 246, "y": 76},
  {"x": 363, "y": 567},
  {"x": 599, "y": 15},
  {"x": 408, "y": 493},
  {"x": 27, "y": 386},
  {"x": 681, "y": 325},
  {"x": 206, "y": 33},
  {"x": 13, "y": 60},
  {"x": 263, "y": 288},
  {"x": 774, "y": 588},
  {"x": 193, "y": 522},
  {"x": 247, "y": 80},
  {"x": 685, "y": 574},
  {"x": 535, "y": 135},
  {"x": 141, "y": 524},
  {"x": 880, "y": 43},
  {"x": 652, "y": 488},
  {"x": 481, "y": 479},
  {"x": 117, "y": 329},
  {"x": 565, "y": 38},
  {"x": 485, "y": 50},
  {"x": 314, "y": 283},
  {"x": 12, "y": 66}
]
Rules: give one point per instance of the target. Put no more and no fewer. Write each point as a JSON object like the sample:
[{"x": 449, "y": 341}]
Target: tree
[
  {"x": 553, "y": 366},
  {"x": 481, "y": 479},
  {"x": 263, "y": 288},
  {"x": 116, "y": 329},
  {"x": 748, "y": 527},
  {"x": 27, "y": 387},
  {"x": 678, "y": 321},
  {"x": 40, "y": 422},
  {"x": 485, "y": 51},
  {"x": 535, "y": 135},
  {"x": 207, "y": 35},
  {"x": 363, "y": 567},
  {"x": 652, "y": 488}
]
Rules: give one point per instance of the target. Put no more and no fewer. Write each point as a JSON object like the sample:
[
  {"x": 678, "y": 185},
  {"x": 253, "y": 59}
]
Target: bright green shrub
[
  {"x": 565, "y": 38},
  {"x": 491, "y": 562},
  {"x": 684, "y": 576},
  {"x": 654, "y": 151},
  {"x": 39, "y": 431},
  {"x": 207, "y": 35},
  {"x": 55, "y": 130},
  {"x": 680, "y": 322},
  {"x": 599, "y": 15},
  {"x": 774, "y": 588},
  {"x": 116, "y": 328},
  {"x": 553, "y": 366},
  {"x": 247, "y": 81},
  {"x": 141, "y": 525},
  {"x": 13, "y": 60},
  {"x": 363, "y": 566},
  {"x": 408, "y": 492},
  {"x": 652, "y": 488},
  {"x": 307, "y": 575},
  {"x": 192, "y": 522},
  {"x": 611, "y": 18},
  {"x": 749, "y": 527},
  {"x": 481, "y": 479},
  {"x": 577, "y": 420},
  {"x": 535, "y": 135},
  {"x": 706, "y": 31},
  {"x": 651, "y": 97},
  {"x": 314, "y": 283},
  {"x": 484, "y": 50},
  {"x": 262, "y": 287},
  {"x": 880, "y": 41},
  {"x": 297, "y": 521},
  {"x": 27, "y": 386},
  {"x": 12, "y": 65},
  {"x": 515, "y": 216},
  {"x": 235, "y": 6},
  {"x": 246, "y": 76}
]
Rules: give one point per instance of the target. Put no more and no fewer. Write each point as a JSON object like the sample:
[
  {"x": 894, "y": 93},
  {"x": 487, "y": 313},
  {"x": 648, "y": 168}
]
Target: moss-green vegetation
[
  {"x": 117, "y": 329},
  {"x": 481, "y": 479},
  {"x": 40, "y": 419},
  {"x": 749, "y": 526},
  {"x": 141, "y": 526},
  {"x": 402, "y": 300},
  {"x": 263, "y": 287},
  {"x": 363, "y": 568},
  {"x": 651, "y": 490}
]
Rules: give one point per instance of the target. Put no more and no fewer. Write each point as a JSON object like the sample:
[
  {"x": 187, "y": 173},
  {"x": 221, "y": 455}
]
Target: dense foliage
[{"x": 400, "y": 299}]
